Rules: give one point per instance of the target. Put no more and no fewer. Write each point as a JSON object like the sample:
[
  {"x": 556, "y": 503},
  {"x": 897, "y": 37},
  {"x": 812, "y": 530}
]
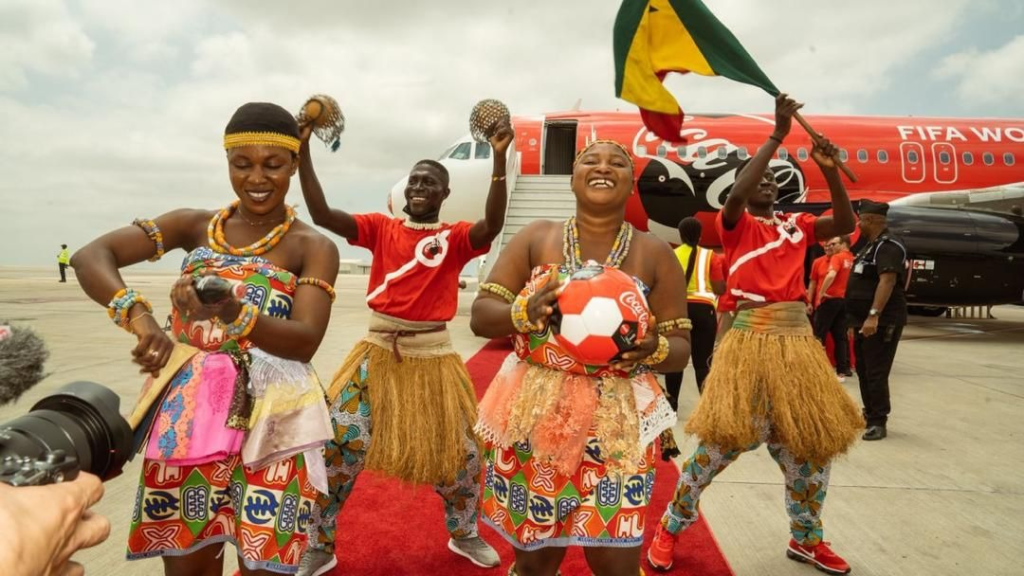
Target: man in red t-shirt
[
  {"x": 404, "y": 381},
  {"x": 818, "y": 270},
  {"x": 771, "y": 381},
  {"x": 830, "y": 313}
]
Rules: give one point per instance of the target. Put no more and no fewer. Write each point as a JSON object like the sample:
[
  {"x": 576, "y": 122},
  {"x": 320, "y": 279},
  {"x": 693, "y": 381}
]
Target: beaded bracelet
[
  {"x": 497, "y": 178},
  {"x": 243, "y": 324},
  {"x": 319, "y": 284},
  {"x": 521, "y": 316},
  {"x": 675, "y": 324},
  {"x": 122, "y": 303},
  {"x": 153, "y": 231},
  {"x": 659, "y": 355},
  {"x": 499, "y": 291}
]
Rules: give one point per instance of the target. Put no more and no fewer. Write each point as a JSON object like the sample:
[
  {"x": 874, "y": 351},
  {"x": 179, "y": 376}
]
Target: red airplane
[
  {"x": 957, "y": 257},
  {"x": 893, "y": 157}
]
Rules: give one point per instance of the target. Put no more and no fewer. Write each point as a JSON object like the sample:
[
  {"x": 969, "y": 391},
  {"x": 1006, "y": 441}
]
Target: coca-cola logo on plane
[{"x": 678, "y": 180}]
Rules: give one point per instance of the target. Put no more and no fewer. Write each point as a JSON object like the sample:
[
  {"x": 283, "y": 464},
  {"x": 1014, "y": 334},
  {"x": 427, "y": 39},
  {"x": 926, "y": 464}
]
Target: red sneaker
[
  {"x": 821, "y": 556},
  {"x": 659, "y": 555}
]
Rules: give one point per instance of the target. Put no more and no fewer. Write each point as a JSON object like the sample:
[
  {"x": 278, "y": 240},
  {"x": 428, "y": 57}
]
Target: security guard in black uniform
[{"x": 876, "y": 307}]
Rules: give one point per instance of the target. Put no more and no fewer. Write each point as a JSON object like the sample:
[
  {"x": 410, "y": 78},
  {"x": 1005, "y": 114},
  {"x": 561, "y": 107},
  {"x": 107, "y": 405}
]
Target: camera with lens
[{"x": 77, "y": 429}]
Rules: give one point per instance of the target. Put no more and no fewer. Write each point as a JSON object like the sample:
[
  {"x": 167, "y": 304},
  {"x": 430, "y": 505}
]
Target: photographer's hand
[{"x": 48, "y": 524}]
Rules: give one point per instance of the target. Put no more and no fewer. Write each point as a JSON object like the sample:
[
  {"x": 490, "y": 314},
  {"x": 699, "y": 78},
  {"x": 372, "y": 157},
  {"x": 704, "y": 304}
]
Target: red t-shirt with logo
[
  {"x": 818, "y": 270},
  {"x": 841, "y": 263},
  {"x": 415, "y": 273},
  {"x": 766, "y": 261}
]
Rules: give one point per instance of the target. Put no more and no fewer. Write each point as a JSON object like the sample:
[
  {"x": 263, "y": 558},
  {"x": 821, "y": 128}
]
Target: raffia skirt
[
  {"x": 769, "y": 367},
  {"x": 422, "y": 398}
]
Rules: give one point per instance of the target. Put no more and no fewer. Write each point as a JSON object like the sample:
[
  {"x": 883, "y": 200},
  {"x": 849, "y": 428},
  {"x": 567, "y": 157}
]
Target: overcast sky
[{"x": 112, "y": 109}]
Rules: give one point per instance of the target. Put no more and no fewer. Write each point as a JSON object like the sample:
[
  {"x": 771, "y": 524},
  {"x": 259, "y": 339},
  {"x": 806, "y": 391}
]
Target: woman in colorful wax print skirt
[
  {"x": 233, "y": 441},
  {"x": 570, "y": 457}
]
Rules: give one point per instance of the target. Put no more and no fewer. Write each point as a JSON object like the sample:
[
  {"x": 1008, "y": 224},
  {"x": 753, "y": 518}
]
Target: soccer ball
[{"x": 600, "y": 314}]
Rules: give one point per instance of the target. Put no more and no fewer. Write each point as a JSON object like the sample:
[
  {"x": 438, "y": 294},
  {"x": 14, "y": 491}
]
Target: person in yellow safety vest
[
  {"x": 63, "y": 260},
  {"x": 705, "y": 282}
]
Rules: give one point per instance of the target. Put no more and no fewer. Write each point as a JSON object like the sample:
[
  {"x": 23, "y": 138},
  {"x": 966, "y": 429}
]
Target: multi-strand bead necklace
[
  {"x": 215, "y": 234},
  {"x": 571, "y": 245}
]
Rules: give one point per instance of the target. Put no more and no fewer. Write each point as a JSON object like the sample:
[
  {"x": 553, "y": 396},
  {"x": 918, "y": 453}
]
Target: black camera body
[
  {"x": 49, "y": 468},
  {"x": 77, "y": 429}
]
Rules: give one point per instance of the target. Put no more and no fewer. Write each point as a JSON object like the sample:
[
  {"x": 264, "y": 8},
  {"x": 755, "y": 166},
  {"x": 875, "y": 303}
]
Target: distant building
[{"x": 353, "y": 266}]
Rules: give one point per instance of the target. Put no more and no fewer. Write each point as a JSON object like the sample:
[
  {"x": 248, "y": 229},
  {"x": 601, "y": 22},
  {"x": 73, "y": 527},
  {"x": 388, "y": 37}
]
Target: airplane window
[
  {"x": 702, "y": 152},
  {"x": 446, "y": 153},
  {"x": 662, "y": 151},
  {"x": 742, "y": 153},
  {"x": 968, "y": 158},
  {"x": 912, "y": 157},
  {"x": 801, "y": 153},
  {"x": 461, "y": 152},
  {"x": 944, "y": 157},
  {"x": 722, "y": 152},
  {"x": 862, "y": 155},
  {"x": 988, "y": 158},
  {"x": 682, "y": 151},
  {"x": 783, "y": 154},
  {"x": 883, "y": 156},
  {"x": 483, "y": 151},
  {"x": 641, "y": 150},
  {"x": 1008, "y": 159},
  {"x": 843, "y": 154}
]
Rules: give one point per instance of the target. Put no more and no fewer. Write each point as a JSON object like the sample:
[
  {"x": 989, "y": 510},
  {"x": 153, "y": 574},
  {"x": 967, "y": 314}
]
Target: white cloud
[
  {"x": 987, "y": 77},
  {"x": 40, "y": 36},
  {"x": 140, "y": 133}
]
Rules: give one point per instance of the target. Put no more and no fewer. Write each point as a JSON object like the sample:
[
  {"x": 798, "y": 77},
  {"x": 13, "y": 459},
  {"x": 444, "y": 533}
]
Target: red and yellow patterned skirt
[
  {"x": 265, "y": 514},
  {"x": 534, "y": 506}
]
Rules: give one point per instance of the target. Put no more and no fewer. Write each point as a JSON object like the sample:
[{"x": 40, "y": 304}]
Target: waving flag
[{"x": 655, "y": 37}]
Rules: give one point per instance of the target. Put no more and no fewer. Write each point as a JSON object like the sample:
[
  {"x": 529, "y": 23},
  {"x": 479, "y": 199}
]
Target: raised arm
[
  {"x": 338, "y": 221},
  {"x": 748, "y": 181},
  {"x": 487, "y": 229},
  {"x": 842, "y": 221},
  {"x": 97, "y": 270}
]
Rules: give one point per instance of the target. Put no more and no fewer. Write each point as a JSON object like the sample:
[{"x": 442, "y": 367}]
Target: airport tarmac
[{"x": 942, "y": 495}]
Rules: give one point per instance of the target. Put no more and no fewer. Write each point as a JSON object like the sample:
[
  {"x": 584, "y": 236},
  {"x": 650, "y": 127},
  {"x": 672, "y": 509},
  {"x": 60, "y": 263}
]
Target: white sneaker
[
  {"x": 476, "y": 551},
  {"x": 316, "y": 563},
  {"x": 842, "y": 379}
]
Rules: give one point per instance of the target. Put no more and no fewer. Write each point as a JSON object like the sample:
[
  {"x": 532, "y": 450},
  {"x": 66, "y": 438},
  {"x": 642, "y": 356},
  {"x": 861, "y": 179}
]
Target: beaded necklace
[
  {"x": 773, "y": 221},
  {"x": 421, "y": 225},
  {"x": 571, "y": 245},
  {"x": 217, "y": 241}
]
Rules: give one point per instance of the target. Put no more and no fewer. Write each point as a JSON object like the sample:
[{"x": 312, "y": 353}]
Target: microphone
[{"x": 22, "y": 355}]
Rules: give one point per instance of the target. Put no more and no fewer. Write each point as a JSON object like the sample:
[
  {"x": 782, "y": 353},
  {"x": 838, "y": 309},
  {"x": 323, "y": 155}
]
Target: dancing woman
[
  {"x": 570, "y": 459},
  {"x": 233, "y": 448}
]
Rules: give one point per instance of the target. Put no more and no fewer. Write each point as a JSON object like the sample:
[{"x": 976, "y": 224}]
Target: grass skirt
[
  {"x": 422, "y": 407},
  {"x": 770, "y": 367}
]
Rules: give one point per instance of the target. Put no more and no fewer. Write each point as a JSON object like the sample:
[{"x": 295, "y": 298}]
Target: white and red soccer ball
[{"x": 601, "y": 313}]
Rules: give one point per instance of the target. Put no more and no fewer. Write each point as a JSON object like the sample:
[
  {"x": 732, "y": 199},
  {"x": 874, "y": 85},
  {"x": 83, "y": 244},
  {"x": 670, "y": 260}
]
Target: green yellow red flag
[{"x": 655, "y": 37}]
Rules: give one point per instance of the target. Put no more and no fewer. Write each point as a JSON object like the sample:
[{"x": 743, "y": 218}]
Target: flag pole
[{"x": 816, "y": 138}]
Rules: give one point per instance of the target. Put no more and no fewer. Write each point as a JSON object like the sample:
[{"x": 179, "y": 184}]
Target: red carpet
[{"x": 389, "y": 529}]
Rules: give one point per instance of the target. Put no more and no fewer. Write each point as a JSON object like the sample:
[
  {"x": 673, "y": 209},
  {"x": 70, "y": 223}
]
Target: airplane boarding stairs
[{"x": 531, "y": 198}]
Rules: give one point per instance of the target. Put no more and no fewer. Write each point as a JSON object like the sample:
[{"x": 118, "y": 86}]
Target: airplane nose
[{"x": 469, "y": 168}]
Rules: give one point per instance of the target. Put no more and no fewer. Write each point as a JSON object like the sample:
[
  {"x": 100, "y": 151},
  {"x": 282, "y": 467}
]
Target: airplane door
[
  {"x": 912, "y": 160},
  {"x": 944, "y": 161},
  {"x": 559, "y": 147}
]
